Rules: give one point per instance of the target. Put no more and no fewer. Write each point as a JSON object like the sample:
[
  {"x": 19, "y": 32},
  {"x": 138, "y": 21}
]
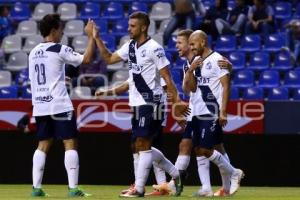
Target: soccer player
[
  {"x": 185, "y": 146},
  {"x": 209, "y": 110},
  {"x": 159, "y": 173},
  {"x": 147, "y": 64},
  {"x": 52, "y": 107}
]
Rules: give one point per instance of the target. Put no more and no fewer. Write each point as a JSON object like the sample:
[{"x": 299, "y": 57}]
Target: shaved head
[
  {"x": 199, "y": 35},
  {"x": 197, "y": 42}
]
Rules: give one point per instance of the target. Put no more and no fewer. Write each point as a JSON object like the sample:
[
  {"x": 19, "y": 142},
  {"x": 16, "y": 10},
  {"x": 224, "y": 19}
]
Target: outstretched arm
[
  {"x": 108, "y": 57},
  {"x": 113, "y": 91}
]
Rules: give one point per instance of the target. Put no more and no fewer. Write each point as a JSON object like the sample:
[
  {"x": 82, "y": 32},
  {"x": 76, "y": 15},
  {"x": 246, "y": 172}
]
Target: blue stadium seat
[
  {"x": 226, "y": 43},
  {"x": 137, "y": 6},
  {"x": 120, "y": 28},
  {"x": 90, "y": 10},
  {"x": 102, "y": 24},
  {"x": 274, "y": 42},
  {"x": 279, "y": 93},
  {"x": 292, "y": 79},
  {"x": 296, "y": 94},
  {"x": 259, "y": 61},
  {"x": 250, "y": 43},
  {"x": 269, "y": 79},
  {"x": 179, "y": 62},
  {"x": 234, "y": 93},
  {"x": 282, "y": 61},
  {"x": 297, "y": 12},
  {"x": 207, "y": 4},
  {"x": 109, "y": 41},
  {"x": 231, "y": 5},
  {"x": 20, "y": 12},
  {"x": 238, "y": 60},
  {"x": 10, "y": 92},
  {"x": 177, "y": 76},
  {"x": 113, "y": 11},
  {"x": 26, "y": 93},
  {"x": 282, "y": 10},
  {"x": 243, "y": 78},
  {"x": 172, "y": 44},
  {"x": 22, "y": 77},
  {"x": 253, "y": 93}
]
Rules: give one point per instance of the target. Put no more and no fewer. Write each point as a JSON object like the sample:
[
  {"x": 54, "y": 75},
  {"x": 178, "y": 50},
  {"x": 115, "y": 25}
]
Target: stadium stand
[{"x": 258, "y": 61}]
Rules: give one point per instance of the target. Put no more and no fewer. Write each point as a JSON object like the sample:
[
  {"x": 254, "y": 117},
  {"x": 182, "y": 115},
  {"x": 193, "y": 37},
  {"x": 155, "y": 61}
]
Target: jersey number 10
[{"x": 41, "y": 76}]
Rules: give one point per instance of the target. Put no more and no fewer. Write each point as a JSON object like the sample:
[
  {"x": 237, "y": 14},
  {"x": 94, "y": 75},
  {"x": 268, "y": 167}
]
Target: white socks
[
  {"x": 221, "y": 162},
  {"x": 38, "y": 161},
  {"x": 203, "y": 171},
  {"x": 135, "y": 164},
  {"x": 159, "y": 173},
  {"x": 164, "y": 163},
  {"x": 72, "y": 167},
  {"x": 143, "y": 168},
  {"x": 182, "y": 162},
  {"x": 225, "y": 177}
]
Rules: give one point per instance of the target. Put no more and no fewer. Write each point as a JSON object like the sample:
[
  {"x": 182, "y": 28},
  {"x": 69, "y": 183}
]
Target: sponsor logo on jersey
[{"x": 44, "y": 98}]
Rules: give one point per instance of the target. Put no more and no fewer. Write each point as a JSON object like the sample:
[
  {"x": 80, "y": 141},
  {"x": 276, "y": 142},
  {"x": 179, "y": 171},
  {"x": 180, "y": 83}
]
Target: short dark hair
[
  {"x": 49, "y": 22},
  {"x": 185, "y": 33},
  {"x": 141, "y": 16}
]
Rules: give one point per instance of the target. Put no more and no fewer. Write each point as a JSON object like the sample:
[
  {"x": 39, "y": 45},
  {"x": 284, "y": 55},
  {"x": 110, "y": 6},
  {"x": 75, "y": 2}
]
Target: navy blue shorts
[
  {"x": 207, "y": 131},
  {"x": 187, "y": 133},
  {"x": 147, "y": 122},
  {"x": 59, "y": 126}
]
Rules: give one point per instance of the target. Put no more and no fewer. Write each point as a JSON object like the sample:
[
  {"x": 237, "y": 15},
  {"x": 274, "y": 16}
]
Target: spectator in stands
[
  {"x": 218, "y": 11},
  {"x": 92, "y": 70},
  {"x": 236, "y": 20},
  {"x": 294, "y": 38},
  {"x": 5, "y": 22},
  {"x": 260, "y": 17},
  {"x": 184, "y": 17}
]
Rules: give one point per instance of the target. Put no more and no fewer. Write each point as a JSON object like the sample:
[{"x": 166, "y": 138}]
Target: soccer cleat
[
  {"x": 203, "y": 193},
  {"x": 127, "y": 190},
  {"x": 158, "y": 193},
  {"x": 133, "y": 193},
  {"x": 221, "y": 193},
  {"x": 235, "y": 180},
  {"x": 76, "y": 192},
  {"x": 178, "y": 186},
  {"x": 38, "y": 192}
]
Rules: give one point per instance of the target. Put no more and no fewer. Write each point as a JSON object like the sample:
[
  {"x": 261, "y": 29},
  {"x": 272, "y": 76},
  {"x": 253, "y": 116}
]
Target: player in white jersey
[
  {"x": 209, "y": 109},
  {"x": 52, "y": 107},
  {"x": 185, "y": 146},
  {"x": 161, "y": 114},
  {"x": 147, "y": 64}
]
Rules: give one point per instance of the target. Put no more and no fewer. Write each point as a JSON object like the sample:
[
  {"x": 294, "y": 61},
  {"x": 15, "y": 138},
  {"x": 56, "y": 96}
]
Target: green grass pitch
[{"x": 59, "y": 192}]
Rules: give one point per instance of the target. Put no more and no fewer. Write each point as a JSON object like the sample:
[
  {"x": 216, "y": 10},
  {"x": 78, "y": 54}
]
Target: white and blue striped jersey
[
  {"x": 192, "y": 95},
  {"x": 47, "y": 77},
  {"x": 208, "y": 97},
  {"x": 145, "y": 62}
]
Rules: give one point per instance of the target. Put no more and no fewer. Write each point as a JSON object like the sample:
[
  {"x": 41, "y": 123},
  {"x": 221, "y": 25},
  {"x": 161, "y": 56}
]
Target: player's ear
[{"x": 144, "y": 28}]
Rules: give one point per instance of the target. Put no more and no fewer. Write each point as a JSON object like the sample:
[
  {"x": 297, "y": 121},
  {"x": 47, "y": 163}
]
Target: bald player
[{"x": 209, "y": 114}]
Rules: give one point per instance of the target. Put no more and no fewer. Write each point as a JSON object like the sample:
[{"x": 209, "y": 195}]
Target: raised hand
[
  {"x": 88, "y": 29},
  {"x": 95, "y": 32},
  {"x": 196, "y": 63}
]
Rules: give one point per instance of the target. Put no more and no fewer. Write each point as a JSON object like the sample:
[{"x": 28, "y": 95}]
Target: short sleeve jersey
[
  {"x": 47, "y": 77},
  {"x": 144, "y": 62},
  {"x": 209, "y": 94}
]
